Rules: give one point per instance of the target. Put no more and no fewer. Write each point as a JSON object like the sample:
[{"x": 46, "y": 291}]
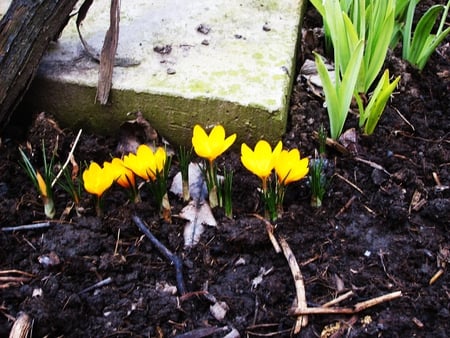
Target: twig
[
  {"x": 349, "y": 183},
  {"x": 174, "y": 259},
  {"x": 338, "y": 299},
  {"x": 203, "y": 332},
  {"x": 439, "y": 186},
  {"x": 372, "y": 164},
  {"x": 27, "y": 227},
  {"x": 436, "y": 276},
  {"x": 346, "y": 310},
  {"x": 97, "y": 285},
  {"x": 333, "y": 144},
  {"x": 405, "y": 134},
  {"x": 68, "y": 158},
  {"x": 302, "y": 320},
  {"x": 19, "y": 272},
  {"x": 7, "y": 281},
  {"x": 269, "y": 229},
  {"x": 404, "y": 119},
  {"x": 346, "y": 206}
]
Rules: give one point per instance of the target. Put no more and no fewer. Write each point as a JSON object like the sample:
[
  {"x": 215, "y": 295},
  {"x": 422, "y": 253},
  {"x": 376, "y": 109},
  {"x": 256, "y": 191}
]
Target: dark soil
[{"x": 383, "y": 224}]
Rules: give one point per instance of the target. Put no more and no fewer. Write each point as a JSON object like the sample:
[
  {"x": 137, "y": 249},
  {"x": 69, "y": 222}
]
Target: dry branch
[
  {"x": 269, "y": 229},
  {"x": 302, "y": 320},
  {"x": 347, "y": 310},
  {"x": 174, "y": 259}
]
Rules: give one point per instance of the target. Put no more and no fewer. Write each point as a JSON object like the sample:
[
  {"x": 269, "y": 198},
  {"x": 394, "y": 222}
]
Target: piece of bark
[
  {"x": 26, "y": 30},
  {"x": 108, "y": 54}
]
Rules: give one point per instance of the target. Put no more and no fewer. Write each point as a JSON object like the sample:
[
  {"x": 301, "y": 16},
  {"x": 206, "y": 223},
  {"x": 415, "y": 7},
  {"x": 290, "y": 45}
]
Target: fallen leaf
[
  {"x": 197, "y": 185},
  {"x": 198, "y": 215}
]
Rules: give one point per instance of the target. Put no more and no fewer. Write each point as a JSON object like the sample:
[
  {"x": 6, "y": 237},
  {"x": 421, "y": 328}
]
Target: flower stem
[{"x": 212, "y": 185}]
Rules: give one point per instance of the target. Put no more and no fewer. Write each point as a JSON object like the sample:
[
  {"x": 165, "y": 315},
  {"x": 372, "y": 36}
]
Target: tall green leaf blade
[
  {"x": 378, "y": 101},
  {"x": 431, "y": 47},
  {"x": 422, "y": 32},
  {"x": 330, "y": 92},
  {"x": 407, "y": 30}
]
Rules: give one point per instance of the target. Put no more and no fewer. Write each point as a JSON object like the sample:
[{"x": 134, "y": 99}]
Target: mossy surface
[{"x": 173, "y": 117}]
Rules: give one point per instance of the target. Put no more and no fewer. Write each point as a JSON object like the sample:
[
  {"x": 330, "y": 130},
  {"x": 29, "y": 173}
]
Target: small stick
[
  {"x": 302, "y": 320},
  {"x": 68, "y": 158},
  {"x": 338, "y": 299},
  {"x": 269, "y": 229},
  {"x": 436, "y": 276},
  {"x": 372, "y": 164},
  {"x": 404, "y": 119},
  {"x": 349, "y": 183},
  {"x": 97, "y": 285},
  {"x": 19, "y": 272},
  {"x": 346, "y": 310},
  {"x": 346, "y": 206},
  {"x": 439, "y": 185},
  {"x": 12, "y": 279},
  {"x": 174, "y": 259},
  {"x": 27, "y": 227},
  {"x": 332, "y": 143},
  {"x": 203, "y": 332}
]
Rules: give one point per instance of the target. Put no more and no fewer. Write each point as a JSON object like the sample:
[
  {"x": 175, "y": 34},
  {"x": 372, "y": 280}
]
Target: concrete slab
[{"x": 219, "y": 61}]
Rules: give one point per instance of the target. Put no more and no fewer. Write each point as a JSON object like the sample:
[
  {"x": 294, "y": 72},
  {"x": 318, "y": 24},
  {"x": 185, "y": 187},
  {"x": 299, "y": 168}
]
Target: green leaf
[
  {"x": 338, "y": 95},
  {"x": 422, "y": 31},
  {"x": 407, "y": 30},
  {"x": 377, "y": 103}
]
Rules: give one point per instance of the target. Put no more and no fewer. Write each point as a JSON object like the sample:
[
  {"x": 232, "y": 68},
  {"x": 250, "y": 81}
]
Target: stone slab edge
[{"x": 73, "y": 106}]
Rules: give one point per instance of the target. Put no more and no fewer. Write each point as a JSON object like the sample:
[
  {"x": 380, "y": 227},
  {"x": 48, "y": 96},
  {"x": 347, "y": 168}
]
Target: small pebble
[
  {"x": 204, "y": 29},
  {"x": 266, "y": 27}
]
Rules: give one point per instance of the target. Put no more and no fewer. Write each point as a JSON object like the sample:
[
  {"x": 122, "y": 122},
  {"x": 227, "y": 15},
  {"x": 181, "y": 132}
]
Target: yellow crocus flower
[
  {"x": 46, "y": 195},
  {"x": 260, "y": 161},
  {"x": 122, "y": 175},
  {"x": 290, "y": 167},
  {"x": 213, "y": 145},
  {"x": 42, "y": 185},
  {"x": 97, "y": 179},
  {"x": 146, "y": 163}
]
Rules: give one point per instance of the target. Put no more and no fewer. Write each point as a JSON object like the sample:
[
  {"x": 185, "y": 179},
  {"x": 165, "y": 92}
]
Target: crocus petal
[
  {"x": 42, "y": 185},
  {"x": 146, "y": 163},
  {"x": 96, "y": 179},
  {"x": 212, "y": 146},
  {"x": 132, "y": 162},
  {"x": 160, "y": 160},
  {"x": 200, "y": 141},
  {"x": 122, "y": 175},
  {"x": 229, "y": 142},
  {"x": 217, "y": 135},
  {"x": 290, "y": 167},
  {"x": 261, "y": 161}
]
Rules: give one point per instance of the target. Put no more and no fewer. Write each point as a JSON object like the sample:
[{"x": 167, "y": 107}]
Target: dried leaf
[
  {"x": 197, "y": 185},
  {"x": 198, "y": 214}
]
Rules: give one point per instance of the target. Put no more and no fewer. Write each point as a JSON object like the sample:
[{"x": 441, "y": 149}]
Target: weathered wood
[
  {"x": 108, "y": 54},
  {"x": 26, "y": 30}
]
